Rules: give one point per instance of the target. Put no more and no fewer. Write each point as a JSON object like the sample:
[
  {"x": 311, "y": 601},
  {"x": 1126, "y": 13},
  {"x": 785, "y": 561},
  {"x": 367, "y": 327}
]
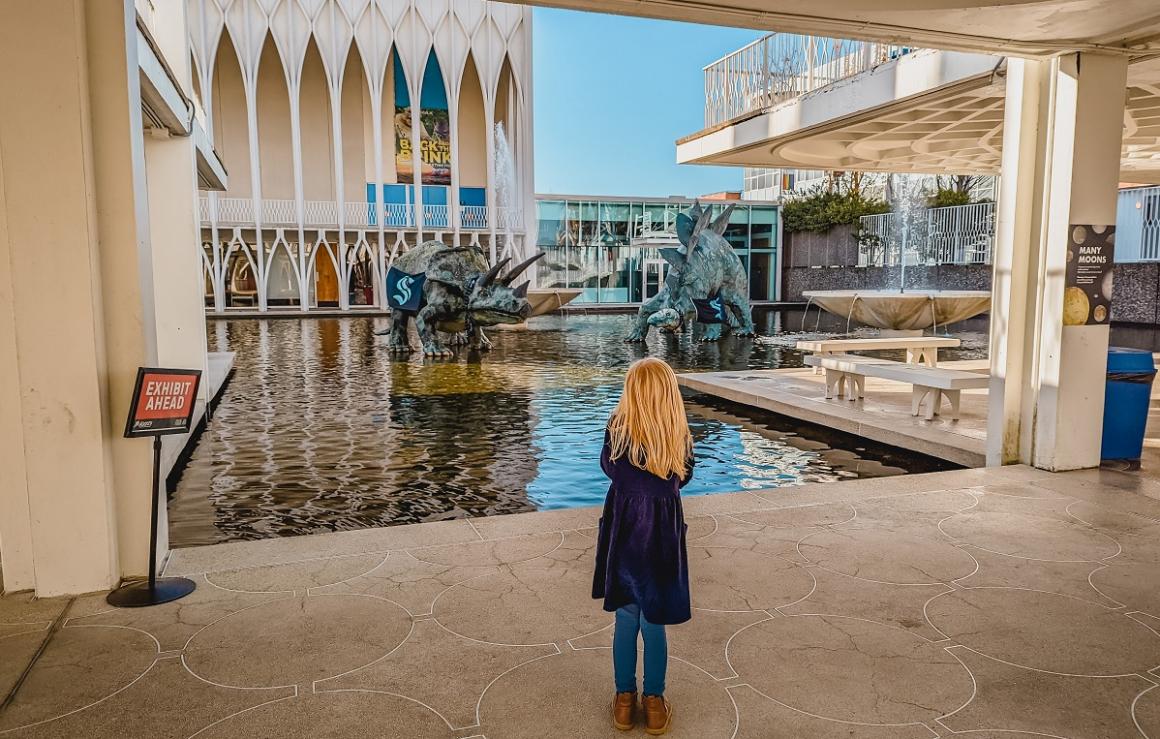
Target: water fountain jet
[
  {"x": 507, "y": 203},
  {"x": 899, "y": 311}
]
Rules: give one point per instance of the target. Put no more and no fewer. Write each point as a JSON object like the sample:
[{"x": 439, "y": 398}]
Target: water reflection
[{"x": 321, "y": 430}]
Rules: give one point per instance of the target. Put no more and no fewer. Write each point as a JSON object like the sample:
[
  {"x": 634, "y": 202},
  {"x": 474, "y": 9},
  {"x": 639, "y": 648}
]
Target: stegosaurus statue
[{"x": 705, "y": 271}]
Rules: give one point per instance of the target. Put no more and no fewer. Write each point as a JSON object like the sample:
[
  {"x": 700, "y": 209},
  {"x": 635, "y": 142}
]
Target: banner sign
[
  {"x": 1087, "y": 295},
  {"x": 404, "y": 291},
  {"x": 163, "y": 402},
  {"x": 434, "y": 129},
  {"x": 710, "y": 310}
]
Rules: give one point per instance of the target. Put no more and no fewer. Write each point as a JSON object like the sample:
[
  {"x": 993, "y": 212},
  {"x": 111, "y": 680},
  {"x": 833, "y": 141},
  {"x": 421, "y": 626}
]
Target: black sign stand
[{"x": 153, "y": 590}]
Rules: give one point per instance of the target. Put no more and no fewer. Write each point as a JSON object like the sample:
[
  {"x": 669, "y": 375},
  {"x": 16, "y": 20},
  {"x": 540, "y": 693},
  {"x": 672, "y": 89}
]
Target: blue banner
[
  {"x": 404, "y": 291},
  {"x": 710, "y": 310}
]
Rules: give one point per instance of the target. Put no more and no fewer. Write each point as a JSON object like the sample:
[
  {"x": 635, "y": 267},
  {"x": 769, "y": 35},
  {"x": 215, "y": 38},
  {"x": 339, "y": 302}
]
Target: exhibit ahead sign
[{"x": 163, "y": 401}]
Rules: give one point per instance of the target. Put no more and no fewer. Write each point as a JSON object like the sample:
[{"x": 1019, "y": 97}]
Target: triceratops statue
[
  {"x": 452, "y": 290},
  {"x": 706, "y": 286}
]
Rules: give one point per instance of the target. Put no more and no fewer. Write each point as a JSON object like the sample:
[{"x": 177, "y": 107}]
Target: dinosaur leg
[
  {"x": 425, "y": 323},
  {"x": 398, "y": 341},
  {"x": 479, "y": 340},
  {"x": 738, "y": 305},
  {"x": 457, "y": 338},
  {"x": 711, "y": 332},
  {"x": 640, "y": 326}
]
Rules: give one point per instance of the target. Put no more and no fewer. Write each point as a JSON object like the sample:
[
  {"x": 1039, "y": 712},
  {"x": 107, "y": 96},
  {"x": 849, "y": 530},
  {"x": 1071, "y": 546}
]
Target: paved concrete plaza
[{"x": 994, "y": 603}]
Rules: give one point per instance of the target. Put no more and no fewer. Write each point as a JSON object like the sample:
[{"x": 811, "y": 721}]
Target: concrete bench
[
  {"x": 919, "y": 349},
  {"x": 845, "y": 373},
  {"x": 930, "y": 384}
]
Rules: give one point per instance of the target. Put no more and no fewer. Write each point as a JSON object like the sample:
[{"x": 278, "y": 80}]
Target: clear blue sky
[{"x": 613, "y": 94}]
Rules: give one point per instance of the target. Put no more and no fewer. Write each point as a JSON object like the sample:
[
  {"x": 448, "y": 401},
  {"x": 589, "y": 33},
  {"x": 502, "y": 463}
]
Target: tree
[
  {"x": 821, "y": 208},
  {"x": 953, "y": 190}
]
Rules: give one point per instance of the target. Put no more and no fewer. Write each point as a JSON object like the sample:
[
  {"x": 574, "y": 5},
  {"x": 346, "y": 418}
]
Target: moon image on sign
[{"x": 1075, "y": 307}]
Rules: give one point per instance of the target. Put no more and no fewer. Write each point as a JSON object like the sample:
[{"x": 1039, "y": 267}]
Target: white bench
[
  {"x": 931, "y": 384},
  {"x": 845, "y": 373},
  {"x": 919, "y": 349}
]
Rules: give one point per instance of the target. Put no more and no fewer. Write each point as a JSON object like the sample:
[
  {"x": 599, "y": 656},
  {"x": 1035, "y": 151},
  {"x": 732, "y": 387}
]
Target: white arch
[{"x": 409, "y": 29}]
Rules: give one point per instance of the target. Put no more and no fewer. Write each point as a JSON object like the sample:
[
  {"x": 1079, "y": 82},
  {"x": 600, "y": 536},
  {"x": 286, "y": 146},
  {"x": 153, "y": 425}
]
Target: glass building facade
[{"x": 608, "y": 247}]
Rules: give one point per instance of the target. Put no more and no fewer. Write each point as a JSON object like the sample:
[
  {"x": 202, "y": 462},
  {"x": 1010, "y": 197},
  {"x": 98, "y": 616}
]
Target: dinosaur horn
[
  {"x": 488, "y": 278},
  {"x": 516, "y": 270},
  {"x": 722, "y": 221},
  {"x": 521, "y": 290},
  {"x": 702, "y": 222}
]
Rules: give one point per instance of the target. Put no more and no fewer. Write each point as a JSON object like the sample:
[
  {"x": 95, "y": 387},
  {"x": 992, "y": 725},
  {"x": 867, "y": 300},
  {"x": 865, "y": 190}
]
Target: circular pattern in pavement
[
  {"x": 500, "y": 551},
  {"x": 568, "y": 695},
  {"x": 906, "y": 556},
  {"x": 700, "y": 527},
  {"x": 297, "y": 575},
  {"x": 849, "y": 669},
  {"x": 1031, "y": 537},
  {"x": 1045, "y": 631},
  {"x": 1135, "y": 585},
  {"x": 826, "y": 514},
  {"x": 296, "y": 640},
  {"x": 1146, "y": 712},
  {"x": 724, "y": 579},
  {"x": 907, "y": 509},
  {"x": 345, "y": 715},
  {"x": 526, "y": 603},
  {"x": 80, "y": 665}
]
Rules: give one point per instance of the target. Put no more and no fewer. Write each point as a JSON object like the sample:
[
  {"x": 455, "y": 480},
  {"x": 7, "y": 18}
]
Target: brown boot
[
  {"x": 624, "y": 710},
  {"x": 658, "y": 715}
]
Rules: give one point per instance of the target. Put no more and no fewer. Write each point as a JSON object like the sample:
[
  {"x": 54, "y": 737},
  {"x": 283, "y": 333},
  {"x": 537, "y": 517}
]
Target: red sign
[{"x": 163, "y": 401}]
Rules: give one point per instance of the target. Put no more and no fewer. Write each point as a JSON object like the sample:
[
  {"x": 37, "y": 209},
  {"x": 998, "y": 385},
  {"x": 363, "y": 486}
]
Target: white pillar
[
  {"x": 78, "y": 314},
  {"x": 489, "y": 193},
  {"x": 1062, "y": 136},
  {"x": 417, "y": 159},
  {"x": 454, "y": 214}
]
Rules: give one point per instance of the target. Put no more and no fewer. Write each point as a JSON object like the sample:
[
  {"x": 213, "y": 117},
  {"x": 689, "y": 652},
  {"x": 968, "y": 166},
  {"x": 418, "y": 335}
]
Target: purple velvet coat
[{"x": 640, "y": 550}]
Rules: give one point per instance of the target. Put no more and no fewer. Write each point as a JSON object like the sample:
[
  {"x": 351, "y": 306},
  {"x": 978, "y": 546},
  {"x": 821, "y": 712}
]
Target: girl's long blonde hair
[{"x": 649, "y": 425}]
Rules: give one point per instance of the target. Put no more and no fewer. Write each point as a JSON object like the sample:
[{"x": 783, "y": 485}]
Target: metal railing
[
  {"x": 473, "y": 217},
  {"x": 324, "y": 214},
  {"x": 958, "y": 234},
  {"x": 780, "y": 67},
  {"x": 1138, "y": 225}
]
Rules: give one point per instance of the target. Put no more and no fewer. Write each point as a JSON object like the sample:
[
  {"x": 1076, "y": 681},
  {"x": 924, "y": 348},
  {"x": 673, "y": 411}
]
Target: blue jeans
[{"x": 629, "y": 621}]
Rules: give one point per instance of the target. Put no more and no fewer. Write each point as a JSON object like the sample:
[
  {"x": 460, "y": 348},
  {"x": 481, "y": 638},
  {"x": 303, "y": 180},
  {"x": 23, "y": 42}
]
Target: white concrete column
[
  {"x": 170, "y": 167},
  {"x": 489, "y": 193},
  {"x": 417, "y": 161},
  {"x": 454, "y": 214},
  {"x": 1062, "y": 136},
  {"x": 75, "y": 273}
]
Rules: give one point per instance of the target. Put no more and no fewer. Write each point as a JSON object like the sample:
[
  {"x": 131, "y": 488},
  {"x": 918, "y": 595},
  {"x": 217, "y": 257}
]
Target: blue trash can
[{"x": 1126, "y": 399}]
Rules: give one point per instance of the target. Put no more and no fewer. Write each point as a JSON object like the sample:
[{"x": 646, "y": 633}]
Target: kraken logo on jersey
[{"x": 404, "y": 291}]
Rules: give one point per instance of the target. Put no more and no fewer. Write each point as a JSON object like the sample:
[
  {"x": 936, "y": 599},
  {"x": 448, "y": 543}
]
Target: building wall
[
  {"x": 472, "y": 130},
  {"x": 276, "y": 155},
  {"x": 276, "y": 69},
  {"x": 602, "y": 247},
  {"x": 798, "y": 280},
  {"x": 230, "y": 132}
]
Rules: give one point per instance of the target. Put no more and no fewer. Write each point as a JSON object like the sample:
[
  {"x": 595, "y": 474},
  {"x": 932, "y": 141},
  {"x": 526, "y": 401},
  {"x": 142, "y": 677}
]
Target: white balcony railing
[
  {"x": 780, "y": 67},
  {"x": 959, "y": 234},
  {"x": 324, "y": 214},
  {"x": 473, "y": 217}
]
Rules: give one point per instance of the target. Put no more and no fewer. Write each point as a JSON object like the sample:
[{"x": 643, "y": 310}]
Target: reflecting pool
[{"x": 320, "y": 429}]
